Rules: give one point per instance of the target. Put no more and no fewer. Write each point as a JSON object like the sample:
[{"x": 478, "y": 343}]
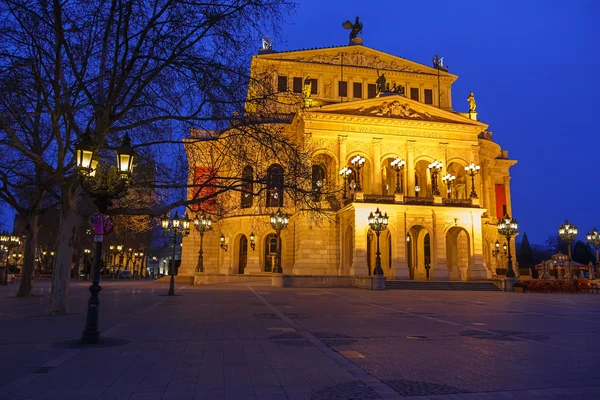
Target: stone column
[
  {"x": 439, "y": 265},
  {"x": 507, "y": 195},
  {"x": 359, "y": 262},
  {"x": 477, "y": 270},
  {"x": 341, "y": 152},
  {"x": 400, "y": 262},
  {"x": 253, "y": 261},
  {"x": 376, "y": 166},
  {"x": 409, "y": 180},
  {"x": 443, "y": 148},
  {"x": 485, "y": 175}
]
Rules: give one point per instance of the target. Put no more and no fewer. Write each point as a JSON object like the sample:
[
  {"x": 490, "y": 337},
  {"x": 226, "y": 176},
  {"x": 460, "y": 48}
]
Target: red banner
[{"x": 204, "y": 179}]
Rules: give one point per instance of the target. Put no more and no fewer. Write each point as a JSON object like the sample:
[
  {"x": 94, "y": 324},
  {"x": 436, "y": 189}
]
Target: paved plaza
[{"x": 251, "y": 341}]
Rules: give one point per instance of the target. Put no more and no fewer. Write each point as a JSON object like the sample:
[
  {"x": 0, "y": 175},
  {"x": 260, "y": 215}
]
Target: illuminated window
[
  {"x": 343, "y": 88},
  {"x": 428, "y": 96},
  {"x": 275, "y": 186},
  {"x": 357, "y": 90},
  {"x": 282, "y": 83},
  {"x": 414, "y": 93},
  {"x": 314, "y": 84},
  {"x": 297, "y": 85},
  {"x": 371, "y": 90},
  {"x": 247, "y": 187}
]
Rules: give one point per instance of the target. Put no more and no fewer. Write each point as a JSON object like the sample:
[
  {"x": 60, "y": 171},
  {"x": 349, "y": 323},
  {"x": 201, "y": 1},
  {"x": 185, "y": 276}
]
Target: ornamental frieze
[{"x": 359, "y": 59}]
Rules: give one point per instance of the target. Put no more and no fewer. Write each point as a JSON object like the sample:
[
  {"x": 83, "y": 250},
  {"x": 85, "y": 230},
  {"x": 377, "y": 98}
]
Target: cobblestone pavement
[{"x": 251, "y": 341}]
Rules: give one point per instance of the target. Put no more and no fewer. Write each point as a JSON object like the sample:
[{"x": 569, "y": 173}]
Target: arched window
[
  {"x": 247, "y": 187},
  {"x": 318, "y": 180},
  {"x": 275, "y": 186}
]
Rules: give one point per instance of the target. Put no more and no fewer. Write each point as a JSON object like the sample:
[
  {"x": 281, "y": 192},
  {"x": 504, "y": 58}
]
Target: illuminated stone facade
[{"x": 345, "y": 115}]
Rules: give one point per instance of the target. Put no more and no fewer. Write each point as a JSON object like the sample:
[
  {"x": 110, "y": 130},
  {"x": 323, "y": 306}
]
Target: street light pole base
[{"x": 90, "y": 337}]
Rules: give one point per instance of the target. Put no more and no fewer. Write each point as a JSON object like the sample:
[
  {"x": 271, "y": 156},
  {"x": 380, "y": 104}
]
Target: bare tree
[{"x": 152, "y": 68}]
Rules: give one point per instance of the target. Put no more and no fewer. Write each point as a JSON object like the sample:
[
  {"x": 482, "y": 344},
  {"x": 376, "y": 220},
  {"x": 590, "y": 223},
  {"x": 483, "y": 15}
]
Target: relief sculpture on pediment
[
  {"x": 358, "y": 59},
  {"x": 394, "y": 109}
]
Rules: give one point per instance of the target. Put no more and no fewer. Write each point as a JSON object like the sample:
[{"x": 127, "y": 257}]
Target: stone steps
[
  {"x": 441, "y": 285},
  {"x": 178, "y": 279}
]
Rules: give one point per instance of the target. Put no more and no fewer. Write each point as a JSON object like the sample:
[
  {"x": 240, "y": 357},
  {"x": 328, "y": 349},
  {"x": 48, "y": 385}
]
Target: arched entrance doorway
[
  {"x": 270, "y": 252},
  {"x": 243, "y": 254},
  {"x": 419, "y": 252},
  {"x": 457, "y": 253}
]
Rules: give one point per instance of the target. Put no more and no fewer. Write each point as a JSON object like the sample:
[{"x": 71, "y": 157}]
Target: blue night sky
[{"x": 532, "y": 67}]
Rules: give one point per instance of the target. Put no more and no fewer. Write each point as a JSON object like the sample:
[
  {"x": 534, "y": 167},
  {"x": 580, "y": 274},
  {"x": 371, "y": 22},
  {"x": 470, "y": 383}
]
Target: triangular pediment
[
  {"x": 357, "y": 56},
  {"x": 398, "y": 107}
]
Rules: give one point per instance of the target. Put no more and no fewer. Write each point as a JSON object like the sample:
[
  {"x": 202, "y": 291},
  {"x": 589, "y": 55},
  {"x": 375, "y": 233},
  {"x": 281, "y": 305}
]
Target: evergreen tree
[
  {"x": 525, "y": 255},
  {"x": 583, "y": 254}
]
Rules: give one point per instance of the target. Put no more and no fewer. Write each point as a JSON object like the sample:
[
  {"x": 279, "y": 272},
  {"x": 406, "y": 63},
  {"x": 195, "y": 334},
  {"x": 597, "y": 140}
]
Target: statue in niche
[
  {"x": 354, "y": 29},
  {"x": 327, "y": 89},
  {"x": 472, "y": 103},
  {"x": 306, "y": 91}
]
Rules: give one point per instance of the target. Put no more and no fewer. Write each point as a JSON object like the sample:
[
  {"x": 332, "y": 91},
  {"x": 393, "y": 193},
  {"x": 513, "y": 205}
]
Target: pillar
[
  {"x": 359, "y": 262},
  {"x": 477, "y": 269},
  {"x": 409, "y": 180},
  {"x": 376, "y": 166},
  {"x": 507, "y": 195},
  {"x": 253, "y": 261},
  {"x": 342, "y": 151},
  {"x": 400, "y": 262},
  {"x": 485, "y": 175},
  {"x": 439, "y": 268}
]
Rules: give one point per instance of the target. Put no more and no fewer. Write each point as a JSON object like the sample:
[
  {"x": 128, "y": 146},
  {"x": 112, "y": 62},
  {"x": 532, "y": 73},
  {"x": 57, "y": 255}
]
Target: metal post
[
  {"x": 569, "y": 249},
  {"x": 91, "y": 334},
  {"x": 172, "y": 281},
  {"x": 278, "y": 268},
  {"x": 5, "y": 280},
  {"x": 510, "y": 272},
  {"x": 201, "y": 253},
  {"x": 473, "y": 192},
  {"x": 378, "y": 269}
]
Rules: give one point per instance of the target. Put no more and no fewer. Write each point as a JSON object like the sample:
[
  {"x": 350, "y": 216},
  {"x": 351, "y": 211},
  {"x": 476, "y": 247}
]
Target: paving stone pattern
[{"x": 251, "y": 341}]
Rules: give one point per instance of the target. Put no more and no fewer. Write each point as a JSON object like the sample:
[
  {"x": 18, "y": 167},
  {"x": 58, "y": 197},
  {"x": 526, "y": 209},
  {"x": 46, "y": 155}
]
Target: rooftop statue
[
  {"x": 355, "y": 29},
  {"x": 472, "y": 103},
  {"x": 381, "y": 83}
]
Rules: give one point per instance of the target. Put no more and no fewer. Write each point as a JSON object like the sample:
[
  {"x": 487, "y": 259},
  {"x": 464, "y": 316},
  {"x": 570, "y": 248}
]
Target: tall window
[
  {"x": 371, "y": 90},
  {"x": 247, "y": 186},
  {"x": 428, "y": 96},
  {"x": 282, "y": 83},
  {"x": 318, "y": 180},
  {"x": 414, "y": 93},
  {"x": 314, "y": 85},
  {"x": 357, "y": 90},
  {"x": 343, "y": 88},
  {"x": 297, "y": 85},
  {"x": 275, "y": 186}
]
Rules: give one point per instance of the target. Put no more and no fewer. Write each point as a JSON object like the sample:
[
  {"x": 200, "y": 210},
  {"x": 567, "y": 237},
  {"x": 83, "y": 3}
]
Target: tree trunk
[
  {"x": 26, "y": 286},
  {"x": 61, "y": 272}
]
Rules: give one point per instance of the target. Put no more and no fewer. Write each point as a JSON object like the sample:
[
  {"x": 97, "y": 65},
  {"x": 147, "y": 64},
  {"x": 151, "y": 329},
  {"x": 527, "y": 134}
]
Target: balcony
[{"x": 437, "y": 201}]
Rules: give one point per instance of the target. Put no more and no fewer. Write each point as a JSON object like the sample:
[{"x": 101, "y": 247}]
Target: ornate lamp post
[
  {"x": 434, "y": 168},
  {"x": 568, "y": 233},
  {"x": 593, "y": 238},
  {"x": 9, "y": 241},
  {"x": 472, "y": 170},
  {"x": 358, "y": 162},
  {"x": 138, "y": 258},
  {"x": 203, "y": 224},
  {"x": 178, "y": 227},
  {"x": 508, "y": 227},
  {"x": 378, "y": 223},
  {"x": 449, "y": 181},
  {"x": 345, "y": 173},
  {"x": 417, "y": 190},
  {"x": 279, "y": 222},
  {"x": 103, "y": 183},
  {"x": 398, "y": 165}
]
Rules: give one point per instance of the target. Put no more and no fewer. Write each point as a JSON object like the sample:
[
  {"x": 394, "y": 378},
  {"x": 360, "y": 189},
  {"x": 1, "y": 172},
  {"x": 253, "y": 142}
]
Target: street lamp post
[
  {"x": 9, "y": 241},
  {"x": 398, "y": 165},
  {"x": 434, "y": 168},
  {"x": 345, "y": 173},
  {"x": 378, "y": 223},
  {"x": 472, "y": 170},
  {"x": 593, "y": 238},
  {"x": 279, "y": 222},
  {"x": 508, "y": 227},
  {"x": 568, "y": 233},
  {"x": 103, "y": 183},
  {"x": 178, "y": 227},
  {"x": 203, "y": 224},
  {"x": 358, "y": 162},
  {"x": 138, "y": 256},
  {"x": 449, "y": 181}
]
